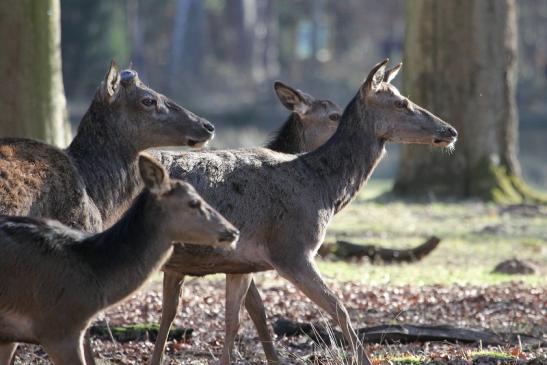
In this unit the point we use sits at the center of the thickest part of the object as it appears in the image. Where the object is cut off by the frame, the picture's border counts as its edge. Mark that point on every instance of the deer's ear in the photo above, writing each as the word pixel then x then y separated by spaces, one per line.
pixel 374 78
pixel 291 98
pixel 111 83
pixel 392 72
pixel 153 174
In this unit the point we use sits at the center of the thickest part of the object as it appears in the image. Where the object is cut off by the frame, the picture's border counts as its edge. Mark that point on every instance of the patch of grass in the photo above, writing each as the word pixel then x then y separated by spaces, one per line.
pixel 475 237
pixel 406 360
pixel 492 354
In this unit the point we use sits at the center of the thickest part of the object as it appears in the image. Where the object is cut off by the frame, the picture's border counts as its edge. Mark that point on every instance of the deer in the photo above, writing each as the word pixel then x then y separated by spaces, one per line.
pixel 71 275
pixel 92 182
pixel 311 123
pixel 282 203
pixel 89 184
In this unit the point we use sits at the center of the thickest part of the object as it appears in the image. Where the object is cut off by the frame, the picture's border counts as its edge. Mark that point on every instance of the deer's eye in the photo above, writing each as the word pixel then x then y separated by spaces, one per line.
pixel 148 102
pixel 403 104
pixel 335 117
pixel 194 203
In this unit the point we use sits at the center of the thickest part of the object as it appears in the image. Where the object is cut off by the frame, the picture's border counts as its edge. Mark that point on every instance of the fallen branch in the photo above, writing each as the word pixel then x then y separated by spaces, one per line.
pixel 405 333
pixel 137 332
pixel 345 250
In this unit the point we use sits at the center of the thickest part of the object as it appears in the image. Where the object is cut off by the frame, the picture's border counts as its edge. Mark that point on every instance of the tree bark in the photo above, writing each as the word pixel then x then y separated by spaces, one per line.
pixel 460 62
pixel 32 99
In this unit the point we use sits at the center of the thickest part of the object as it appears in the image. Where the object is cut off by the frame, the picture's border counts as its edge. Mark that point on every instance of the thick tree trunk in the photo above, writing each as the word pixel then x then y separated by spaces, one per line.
pixel 460 62
pixel 32 99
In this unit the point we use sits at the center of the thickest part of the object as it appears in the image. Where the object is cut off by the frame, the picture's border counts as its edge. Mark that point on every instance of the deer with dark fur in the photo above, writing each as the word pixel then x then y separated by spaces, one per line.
pixel 88 185
pixel 69 276
pixel 311 122
pixel 283 203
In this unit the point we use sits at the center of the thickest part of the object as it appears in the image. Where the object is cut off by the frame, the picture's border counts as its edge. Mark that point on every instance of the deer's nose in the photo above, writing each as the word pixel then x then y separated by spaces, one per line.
pixel 208 126
pixel 452 132
pixel 229 235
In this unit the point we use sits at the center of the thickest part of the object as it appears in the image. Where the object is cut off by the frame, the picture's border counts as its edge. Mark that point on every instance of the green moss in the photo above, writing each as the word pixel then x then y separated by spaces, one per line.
pixel 406 360
pixel 136 332
pixel 493 182
pixel 492 354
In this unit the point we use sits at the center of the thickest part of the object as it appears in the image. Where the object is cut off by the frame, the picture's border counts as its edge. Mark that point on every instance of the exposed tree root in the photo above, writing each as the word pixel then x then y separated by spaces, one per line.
pixel 346 250
pixel 406 333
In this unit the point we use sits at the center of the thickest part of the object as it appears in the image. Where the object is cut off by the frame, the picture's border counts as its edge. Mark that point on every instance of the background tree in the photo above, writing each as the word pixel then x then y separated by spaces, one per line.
pixel 460 61
pixel 32 100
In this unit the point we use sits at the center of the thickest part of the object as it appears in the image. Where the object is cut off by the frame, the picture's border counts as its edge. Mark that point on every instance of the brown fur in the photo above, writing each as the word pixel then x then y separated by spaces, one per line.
pixel 70 276
pixel 90 183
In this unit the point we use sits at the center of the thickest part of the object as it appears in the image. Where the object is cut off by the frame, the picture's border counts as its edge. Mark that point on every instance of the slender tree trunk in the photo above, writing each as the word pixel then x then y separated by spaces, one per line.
pixel 265 64
pixel 460 62
pixel 239 20
pixel 32 99
pixel 136 36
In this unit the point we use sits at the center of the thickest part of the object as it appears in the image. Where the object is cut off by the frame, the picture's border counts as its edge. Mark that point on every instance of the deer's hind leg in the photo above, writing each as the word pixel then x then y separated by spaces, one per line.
pixel 236 289
pixel 255 307
pixel 304 275
pixel 7 353
pixel 172 285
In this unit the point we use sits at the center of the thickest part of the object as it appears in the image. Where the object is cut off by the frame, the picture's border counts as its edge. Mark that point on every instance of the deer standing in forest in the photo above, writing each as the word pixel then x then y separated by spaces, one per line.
pixel 311 123
pixel 69 275
pixel 89 184
pixel 283 203
pixel 92 182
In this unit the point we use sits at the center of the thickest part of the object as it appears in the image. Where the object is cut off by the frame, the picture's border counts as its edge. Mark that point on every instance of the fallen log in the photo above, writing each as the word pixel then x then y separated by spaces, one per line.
pixel 405 333
pixel 346 250
pixel 137 332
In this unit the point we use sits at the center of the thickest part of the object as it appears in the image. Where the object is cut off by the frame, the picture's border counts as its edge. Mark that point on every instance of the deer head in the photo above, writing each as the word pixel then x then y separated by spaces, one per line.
pixel 398 119
pixel 180 202
pixel 319 118
pixel 148 118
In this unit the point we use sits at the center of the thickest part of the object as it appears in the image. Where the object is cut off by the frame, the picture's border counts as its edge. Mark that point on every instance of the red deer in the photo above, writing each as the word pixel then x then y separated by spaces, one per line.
pixel 282 203
pixel 69 275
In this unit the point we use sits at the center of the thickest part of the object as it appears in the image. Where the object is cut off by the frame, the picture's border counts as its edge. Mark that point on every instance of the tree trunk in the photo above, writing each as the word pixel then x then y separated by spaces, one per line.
pixel 460 62
pixel 32 99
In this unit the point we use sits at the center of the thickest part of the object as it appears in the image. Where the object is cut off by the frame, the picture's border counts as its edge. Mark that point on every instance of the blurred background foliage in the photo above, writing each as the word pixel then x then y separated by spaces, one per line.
pixel 219 58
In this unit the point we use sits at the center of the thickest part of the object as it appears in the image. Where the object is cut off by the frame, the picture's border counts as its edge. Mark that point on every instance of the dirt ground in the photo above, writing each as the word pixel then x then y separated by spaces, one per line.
pixel 512 306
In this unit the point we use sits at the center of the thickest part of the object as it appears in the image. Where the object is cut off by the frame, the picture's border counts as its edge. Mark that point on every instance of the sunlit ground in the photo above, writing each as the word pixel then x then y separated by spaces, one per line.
pixel 475 237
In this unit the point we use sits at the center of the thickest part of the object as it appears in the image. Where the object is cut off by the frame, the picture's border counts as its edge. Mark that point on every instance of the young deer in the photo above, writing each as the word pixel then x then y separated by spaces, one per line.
pixel 69 276
pixel 283 203
pixel 89 184
pixel 311 123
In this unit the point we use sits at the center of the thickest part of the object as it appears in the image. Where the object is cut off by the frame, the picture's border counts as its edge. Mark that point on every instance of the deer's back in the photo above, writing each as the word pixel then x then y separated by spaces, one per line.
pixel 40 275
pixel 37 179
pixel 268 196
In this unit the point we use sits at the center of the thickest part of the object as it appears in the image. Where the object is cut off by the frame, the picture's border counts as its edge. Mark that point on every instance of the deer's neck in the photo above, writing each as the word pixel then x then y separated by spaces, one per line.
pixel 289 137
pixel 347 160
pixel 125 255
pixel 107 162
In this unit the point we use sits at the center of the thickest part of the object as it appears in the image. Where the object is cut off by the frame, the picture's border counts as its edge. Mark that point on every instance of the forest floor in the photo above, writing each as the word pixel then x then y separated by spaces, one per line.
pixel 453 285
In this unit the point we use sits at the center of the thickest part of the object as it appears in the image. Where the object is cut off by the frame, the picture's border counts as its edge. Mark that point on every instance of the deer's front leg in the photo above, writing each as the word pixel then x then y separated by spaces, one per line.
pixel 255 308
pixel 88 351
pixel 7 353
pixel 236 289
pixel 66 350
pixel 304 275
